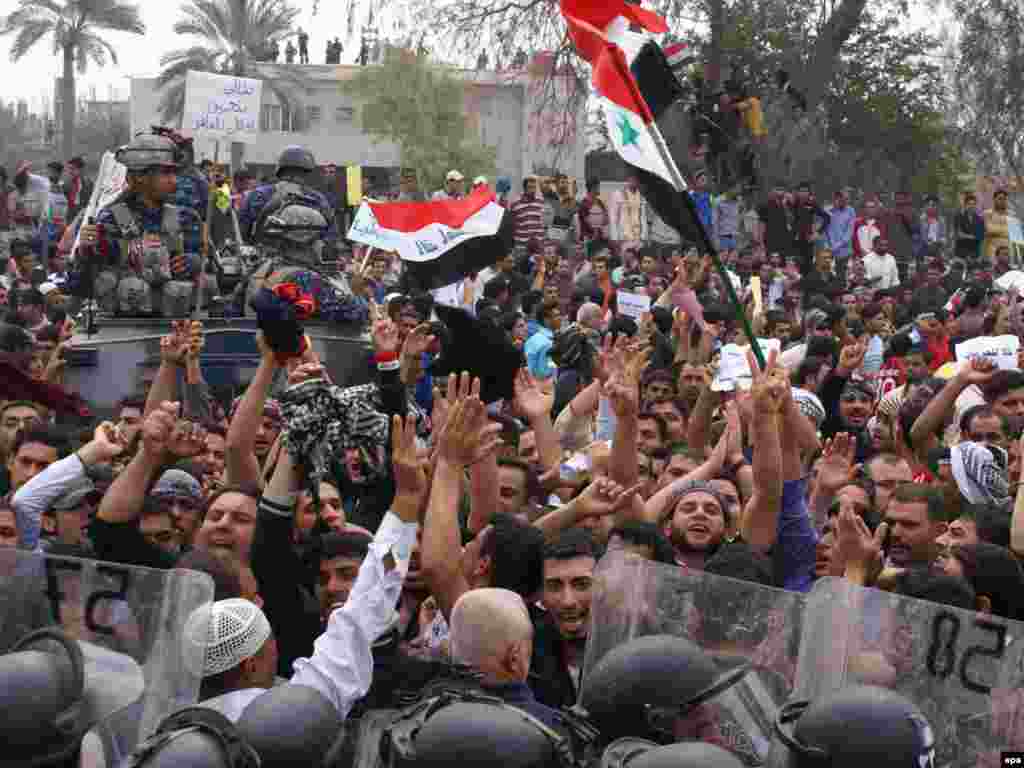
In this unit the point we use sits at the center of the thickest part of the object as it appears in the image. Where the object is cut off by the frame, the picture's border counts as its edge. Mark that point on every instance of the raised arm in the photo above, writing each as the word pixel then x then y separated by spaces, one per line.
pixel 341 666
pixel 1017 521
pixel 535 406
pixel 173 354
pixel 165 439
pixel 977 371
pixel 39 493
pixel 768 394
pixel 468 436
pixel 241 464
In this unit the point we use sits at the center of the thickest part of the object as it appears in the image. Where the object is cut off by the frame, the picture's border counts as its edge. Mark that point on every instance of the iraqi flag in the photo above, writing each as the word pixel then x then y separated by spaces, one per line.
pixel 439 241
pixel 636 84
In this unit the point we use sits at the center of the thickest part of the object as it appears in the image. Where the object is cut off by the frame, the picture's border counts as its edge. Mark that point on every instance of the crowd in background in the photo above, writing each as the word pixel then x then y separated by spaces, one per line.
pixel 865 448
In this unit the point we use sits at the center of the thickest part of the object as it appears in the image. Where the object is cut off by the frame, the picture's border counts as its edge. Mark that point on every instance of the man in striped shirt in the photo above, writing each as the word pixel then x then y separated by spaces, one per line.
pixel 528 214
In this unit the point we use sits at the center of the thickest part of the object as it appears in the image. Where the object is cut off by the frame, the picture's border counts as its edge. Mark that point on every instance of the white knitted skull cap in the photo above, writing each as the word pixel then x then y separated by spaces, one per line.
pixel 224 634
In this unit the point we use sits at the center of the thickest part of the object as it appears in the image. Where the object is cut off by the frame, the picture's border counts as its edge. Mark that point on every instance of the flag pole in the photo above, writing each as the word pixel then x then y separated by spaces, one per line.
pixel 680 184
pixel 705 238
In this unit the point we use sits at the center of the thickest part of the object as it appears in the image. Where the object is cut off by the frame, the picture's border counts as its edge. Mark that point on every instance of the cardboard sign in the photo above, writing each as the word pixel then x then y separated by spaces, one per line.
pixel 1001 350
pixel 733 370
pixel 222 107
pixel 1012 279
pixel 633 305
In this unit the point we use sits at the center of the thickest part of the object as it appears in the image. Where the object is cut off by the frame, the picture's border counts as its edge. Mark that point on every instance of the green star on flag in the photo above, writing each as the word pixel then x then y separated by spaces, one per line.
pixel 629 133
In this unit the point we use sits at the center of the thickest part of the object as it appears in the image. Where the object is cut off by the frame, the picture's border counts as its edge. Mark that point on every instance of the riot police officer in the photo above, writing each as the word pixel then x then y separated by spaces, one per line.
pixel 295 167
pixel 477 733
pixel 196 737
pixel 854 726
pixel 639 753
pixel 137 239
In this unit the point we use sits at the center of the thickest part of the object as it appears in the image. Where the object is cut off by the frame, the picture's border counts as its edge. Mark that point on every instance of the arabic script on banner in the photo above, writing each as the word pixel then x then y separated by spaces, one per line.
pixel 222 107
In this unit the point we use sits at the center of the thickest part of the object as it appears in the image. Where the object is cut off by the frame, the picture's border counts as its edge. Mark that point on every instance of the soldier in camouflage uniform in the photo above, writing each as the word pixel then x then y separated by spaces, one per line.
pixel 191 198
pixel 137 239
pixel 295 167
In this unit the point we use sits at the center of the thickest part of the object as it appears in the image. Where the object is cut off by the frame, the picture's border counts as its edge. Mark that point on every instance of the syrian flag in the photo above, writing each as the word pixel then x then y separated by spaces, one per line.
pixel 601 34
pixel 439 241
pixel 635 81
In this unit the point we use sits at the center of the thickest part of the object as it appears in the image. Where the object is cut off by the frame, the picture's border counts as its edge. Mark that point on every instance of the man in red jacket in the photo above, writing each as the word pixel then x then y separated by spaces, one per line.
pixel 16 348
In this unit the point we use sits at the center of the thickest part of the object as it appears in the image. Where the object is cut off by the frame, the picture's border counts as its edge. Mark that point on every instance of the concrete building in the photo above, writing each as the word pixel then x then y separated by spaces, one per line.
pixel 506 107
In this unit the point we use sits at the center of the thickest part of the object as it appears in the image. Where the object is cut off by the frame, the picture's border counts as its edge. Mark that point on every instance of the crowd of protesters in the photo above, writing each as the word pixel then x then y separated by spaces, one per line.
pixel 866 448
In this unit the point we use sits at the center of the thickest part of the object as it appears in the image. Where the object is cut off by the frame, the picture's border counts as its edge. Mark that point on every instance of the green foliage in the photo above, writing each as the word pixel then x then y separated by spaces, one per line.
pixel 76 29
pixel 880 124
pixel 231 36
pixel 989 79
pixel 420 107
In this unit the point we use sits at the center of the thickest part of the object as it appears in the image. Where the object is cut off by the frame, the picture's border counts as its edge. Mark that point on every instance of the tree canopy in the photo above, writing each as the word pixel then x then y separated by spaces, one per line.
pixel 77 29
pixel 420 107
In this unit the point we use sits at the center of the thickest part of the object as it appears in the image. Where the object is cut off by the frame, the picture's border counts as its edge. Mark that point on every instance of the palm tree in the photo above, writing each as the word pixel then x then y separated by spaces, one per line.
pixel 75 26
pixel 235 35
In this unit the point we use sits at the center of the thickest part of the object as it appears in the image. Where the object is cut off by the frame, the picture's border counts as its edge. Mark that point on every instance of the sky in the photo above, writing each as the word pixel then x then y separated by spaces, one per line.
pixel 32 78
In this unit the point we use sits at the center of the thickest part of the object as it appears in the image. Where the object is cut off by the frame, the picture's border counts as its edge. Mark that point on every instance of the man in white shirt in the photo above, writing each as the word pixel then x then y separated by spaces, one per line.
pixel 880 266
pixel 239 655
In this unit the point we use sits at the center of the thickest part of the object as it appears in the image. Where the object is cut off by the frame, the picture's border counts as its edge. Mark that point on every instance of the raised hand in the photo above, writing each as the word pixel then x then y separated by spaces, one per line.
pixel 107 443
pixel 304 372
pixel 418 341
pixel 529 400
pixel 836 462
pixel 469 434
pixel 174 347
pixel 857 545
pixel 158 428
pixel 977 370
pixel 770 387
pixel 603 497
pixel 734 434
pixel 851 357
pixel 193 338
pixel 385 336
pixel 412 481
pixel 188 439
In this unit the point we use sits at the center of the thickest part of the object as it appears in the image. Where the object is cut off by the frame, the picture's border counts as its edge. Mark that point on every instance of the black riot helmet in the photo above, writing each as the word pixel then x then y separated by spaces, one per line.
pixel 638 753
pixel 856 726
pixel 290 725
pixel 470 734
pixel 196 737
pixel 637 689
pixel 295 158
pixel 42 680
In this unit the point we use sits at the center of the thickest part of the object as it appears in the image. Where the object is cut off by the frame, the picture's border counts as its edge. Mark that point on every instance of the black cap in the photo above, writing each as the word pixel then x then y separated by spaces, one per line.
pixel 481 348
pixel 54 165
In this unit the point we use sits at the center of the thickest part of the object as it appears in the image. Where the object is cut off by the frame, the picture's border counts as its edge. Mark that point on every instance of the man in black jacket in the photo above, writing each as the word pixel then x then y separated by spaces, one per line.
pixel 560 630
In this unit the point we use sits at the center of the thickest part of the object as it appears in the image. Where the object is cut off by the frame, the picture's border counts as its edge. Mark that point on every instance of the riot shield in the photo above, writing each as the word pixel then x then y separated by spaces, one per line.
pixel 745 635
pixel 963 670
pixel 127 622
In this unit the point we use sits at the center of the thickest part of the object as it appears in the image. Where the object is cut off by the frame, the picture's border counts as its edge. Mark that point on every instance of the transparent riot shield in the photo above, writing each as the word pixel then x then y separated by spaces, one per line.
pixel 734 667
pixel 963 670
pixel 127 622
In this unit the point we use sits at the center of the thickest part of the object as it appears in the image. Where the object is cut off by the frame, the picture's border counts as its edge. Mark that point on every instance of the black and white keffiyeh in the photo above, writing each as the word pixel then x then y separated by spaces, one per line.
pixel 322 421
pixel 981 473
